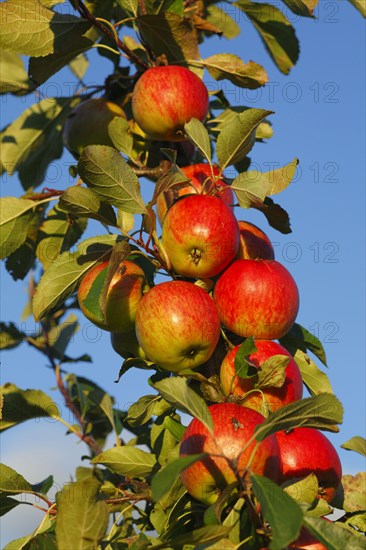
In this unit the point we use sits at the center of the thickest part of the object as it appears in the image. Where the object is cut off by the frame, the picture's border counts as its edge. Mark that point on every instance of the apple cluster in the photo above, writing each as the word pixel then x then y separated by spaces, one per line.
pixel 225 286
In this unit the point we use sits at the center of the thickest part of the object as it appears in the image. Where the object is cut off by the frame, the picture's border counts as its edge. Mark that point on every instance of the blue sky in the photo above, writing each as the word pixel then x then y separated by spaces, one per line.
pixel 320 118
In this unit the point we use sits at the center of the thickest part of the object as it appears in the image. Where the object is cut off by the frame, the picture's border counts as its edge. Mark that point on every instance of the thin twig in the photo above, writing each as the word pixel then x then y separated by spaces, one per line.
pixel 85 14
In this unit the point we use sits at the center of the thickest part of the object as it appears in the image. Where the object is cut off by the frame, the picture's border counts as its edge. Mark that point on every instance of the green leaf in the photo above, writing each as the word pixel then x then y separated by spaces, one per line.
pixel 140 412
pixel 57 234
pixel 305 8
pixel 108 174
pixel 34 139
pixel 175 427
pixel 356 443
pixel 169 180
pixel 333 535
pixel 198 135
pixel 43 486
pixel 21 405
pixel 299 337
pixel 82 518
pixel 231 67
pixel 39 541
pixel 322 412
pixel 157 6
pixel 315 380
pixel 272 373
pixel 168 33
pixel 130 6
pixel 105 402
pixel 83 202
pixel 127 461
pixel 353 489
pixel 177 392
pixel 305 491
pixel 10 336
pixel 29 28
pixel 276 216
pixel 360 6
pixel 275 30
pixel 15 216
pixel 120 133
pixel 7 504
pixel 12 483
pixel 13 77
pixel 243 367
pixel 197 537
pixel 62 277
pixel 79 66
pixel 250 189
pixel 237 138
pixel 221 19
pixel 282 513
pixel 357 521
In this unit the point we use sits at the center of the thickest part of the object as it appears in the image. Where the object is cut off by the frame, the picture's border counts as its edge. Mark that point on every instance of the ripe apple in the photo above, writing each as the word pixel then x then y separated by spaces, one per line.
pixel 87 124
pixel 201 182
pixel 124 293
pixel 275 397
pixel 126 344
pixel 200 235
pixel 234 425
pixel 254 243
pixel 165 98
pixel 257 298
pixel 177 325
pixel 303 451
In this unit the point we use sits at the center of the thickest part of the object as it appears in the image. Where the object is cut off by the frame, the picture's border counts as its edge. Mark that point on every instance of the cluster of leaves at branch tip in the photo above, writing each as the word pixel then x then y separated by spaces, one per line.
pixel 136 481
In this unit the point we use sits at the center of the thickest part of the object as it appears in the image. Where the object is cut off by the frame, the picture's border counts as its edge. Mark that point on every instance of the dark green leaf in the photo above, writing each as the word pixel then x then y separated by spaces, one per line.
pixel 129 461
pixel 140 412
pixel 237 138
pixel 168 33
pixel 305 8
pixel 10 336
pixel 275 30
pixel 177 392
pixel 356 443
pixel 322 412
pixel 21 405
pixel 82 518
pixel 282 513
pixel 163 481
pixel 299 337
pixel 333 535
pixel 197 537
pixel 175 427
pixel 107 173
pixel 43 486
pixel 120 133
pixel 83 202
pixel 276 216
pixel 63 275
pixel 231 67
pixel 7 504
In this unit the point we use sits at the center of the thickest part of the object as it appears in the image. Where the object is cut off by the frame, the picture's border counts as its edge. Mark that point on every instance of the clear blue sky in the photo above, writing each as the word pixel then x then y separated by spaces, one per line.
pixel 320 118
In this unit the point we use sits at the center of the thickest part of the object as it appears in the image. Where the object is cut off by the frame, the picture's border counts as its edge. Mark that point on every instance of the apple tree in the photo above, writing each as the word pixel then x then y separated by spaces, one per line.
pixel 225 451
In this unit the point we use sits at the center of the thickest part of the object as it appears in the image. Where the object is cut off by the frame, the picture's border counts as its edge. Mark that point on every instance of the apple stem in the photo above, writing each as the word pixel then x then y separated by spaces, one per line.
pixel 85 14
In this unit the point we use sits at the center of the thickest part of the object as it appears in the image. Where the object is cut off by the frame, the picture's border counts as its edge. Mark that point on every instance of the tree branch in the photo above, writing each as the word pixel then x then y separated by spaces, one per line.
pixel 85 14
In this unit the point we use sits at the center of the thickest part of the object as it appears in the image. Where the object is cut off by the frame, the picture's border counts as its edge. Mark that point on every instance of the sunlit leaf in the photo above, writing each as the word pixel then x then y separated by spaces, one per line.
pixel 356 443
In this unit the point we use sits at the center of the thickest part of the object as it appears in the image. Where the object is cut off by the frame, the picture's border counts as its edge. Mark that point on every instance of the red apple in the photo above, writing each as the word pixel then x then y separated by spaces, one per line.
pixel 234 425
pixel 254 243
pixel 201 182
pixel 200 236
pixel 87 124
pixel 165 98
pixel 307 541
pixel 257 298
pixel 126 344
pixel 177 325
pixel 304 451
pixel 125 291
pixel 275 397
